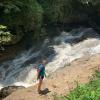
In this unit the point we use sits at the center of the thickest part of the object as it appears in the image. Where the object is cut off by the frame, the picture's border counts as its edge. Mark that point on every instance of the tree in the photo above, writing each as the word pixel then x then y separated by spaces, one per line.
pixel 21 15
pixel 61 10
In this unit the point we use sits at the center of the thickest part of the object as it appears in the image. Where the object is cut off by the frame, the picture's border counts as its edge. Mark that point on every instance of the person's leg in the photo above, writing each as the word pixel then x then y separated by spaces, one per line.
pixel 39 85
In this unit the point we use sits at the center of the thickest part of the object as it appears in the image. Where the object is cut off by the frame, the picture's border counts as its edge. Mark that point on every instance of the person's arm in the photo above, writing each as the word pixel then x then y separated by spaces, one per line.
pixel 38 71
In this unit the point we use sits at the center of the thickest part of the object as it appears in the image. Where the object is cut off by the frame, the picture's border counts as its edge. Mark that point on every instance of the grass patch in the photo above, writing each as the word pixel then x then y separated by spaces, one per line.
pixel 90 91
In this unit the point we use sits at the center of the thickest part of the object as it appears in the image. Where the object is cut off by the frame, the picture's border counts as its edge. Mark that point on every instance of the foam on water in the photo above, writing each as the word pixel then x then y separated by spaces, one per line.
pixel 66 48
pixel 67 53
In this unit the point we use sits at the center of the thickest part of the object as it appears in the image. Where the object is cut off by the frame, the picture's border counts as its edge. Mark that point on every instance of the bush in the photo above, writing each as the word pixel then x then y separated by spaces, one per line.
pixel 90 91
pixel 5 36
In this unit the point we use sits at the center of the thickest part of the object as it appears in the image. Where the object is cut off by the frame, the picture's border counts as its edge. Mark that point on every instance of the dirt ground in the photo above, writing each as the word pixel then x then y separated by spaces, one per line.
pixel 61 81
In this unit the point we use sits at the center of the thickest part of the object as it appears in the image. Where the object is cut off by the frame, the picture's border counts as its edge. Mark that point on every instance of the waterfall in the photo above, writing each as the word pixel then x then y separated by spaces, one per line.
pixel 60 51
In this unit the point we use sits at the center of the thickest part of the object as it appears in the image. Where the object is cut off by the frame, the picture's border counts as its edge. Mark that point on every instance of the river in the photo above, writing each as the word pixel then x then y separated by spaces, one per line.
pixel 60 51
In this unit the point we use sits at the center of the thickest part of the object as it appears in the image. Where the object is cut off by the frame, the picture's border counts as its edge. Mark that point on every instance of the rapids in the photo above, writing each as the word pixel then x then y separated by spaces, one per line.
pixel 60 51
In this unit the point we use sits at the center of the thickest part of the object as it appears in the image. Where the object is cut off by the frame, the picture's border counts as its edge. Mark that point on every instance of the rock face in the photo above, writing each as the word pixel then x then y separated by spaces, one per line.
pixel 4 92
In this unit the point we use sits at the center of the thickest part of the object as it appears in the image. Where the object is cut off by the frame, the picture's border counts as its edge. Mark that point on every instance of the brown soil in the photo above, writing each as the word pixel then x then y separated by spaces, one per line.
pixel 62 81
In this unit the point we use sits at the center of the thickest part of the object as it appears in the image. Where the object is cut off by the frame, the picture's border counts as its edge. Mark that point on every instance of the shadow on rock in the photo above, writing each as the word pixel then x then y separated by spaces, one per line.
pixel 45 91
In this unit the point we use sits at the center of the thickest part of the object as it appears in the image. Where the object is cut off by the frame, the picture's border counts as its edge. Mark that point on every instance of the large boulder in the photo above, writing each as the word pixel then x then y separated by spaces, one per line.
pixel 4 92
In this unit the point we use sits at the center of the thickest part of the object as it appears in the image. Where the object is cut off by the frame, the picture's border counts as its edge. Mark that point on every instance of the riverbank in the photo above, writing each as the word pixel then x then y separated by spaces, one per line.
pixel 62 81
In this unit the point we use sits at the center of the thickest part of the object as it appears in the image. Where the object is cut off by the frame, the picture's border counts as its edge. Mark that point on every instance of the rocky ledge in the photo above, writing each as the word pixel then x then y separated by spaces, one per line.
pixel 4 92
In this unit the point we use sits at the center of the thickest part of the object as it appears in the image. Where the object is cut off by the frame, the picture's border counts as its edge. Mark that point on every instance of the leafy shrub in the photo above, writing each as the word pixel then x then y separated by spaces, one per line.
pixel 90 91
pixel 5 36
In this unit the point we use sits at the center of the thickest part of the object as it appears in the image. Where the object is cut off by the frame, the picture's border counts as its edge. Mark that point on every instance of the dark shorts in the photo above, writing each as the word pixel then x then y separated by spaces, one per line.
pixel 41 77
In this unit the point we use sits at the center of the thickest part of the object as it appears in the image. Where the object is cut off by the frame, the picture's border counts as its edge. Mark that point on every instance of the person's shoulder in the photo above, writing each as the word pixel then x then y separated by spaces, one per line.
pixel 40 65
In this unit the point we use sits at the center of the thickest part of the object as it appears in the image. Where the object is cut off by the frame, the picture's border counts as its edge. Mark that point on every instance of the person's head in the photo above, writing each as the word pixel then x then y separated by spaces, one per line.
pixel 44 61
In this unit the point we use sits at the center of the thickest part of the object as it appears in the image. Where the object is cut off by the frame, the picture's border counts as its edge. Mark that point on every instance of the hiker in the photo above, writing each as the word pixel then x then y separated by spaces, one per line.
pixel 41 74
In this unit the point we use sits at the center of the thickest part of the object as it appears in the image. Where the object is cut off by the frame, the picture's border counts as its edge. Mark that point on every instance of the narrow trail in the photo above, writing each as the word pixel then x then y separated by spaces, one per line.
pixel 62 81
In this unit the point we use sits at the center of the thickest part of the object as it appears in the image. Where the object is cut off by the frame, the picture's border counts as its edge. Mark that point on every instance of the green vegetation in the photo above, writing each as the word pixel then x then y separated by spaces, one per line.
pixel 61 11
pixel 5 36
pixel 21 15
pixel 31 16
pixel 90 91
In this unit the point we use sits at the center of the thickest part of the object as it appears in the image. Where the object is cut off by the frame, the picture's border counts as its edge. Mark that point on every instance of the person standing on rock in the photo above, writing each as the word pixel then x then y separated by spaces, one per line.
pixel 41 74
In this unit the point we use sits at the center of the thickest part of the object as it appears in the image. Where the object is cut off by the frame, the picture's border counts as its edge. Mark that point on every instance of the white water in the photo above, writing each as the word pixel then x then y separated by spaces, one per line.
pixel 66 50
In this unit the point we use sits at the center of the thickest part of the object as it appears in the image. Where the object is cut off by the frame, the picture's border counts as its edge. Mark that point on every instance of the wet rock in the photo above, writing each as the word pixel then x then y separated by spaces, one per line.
pixel 4 92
